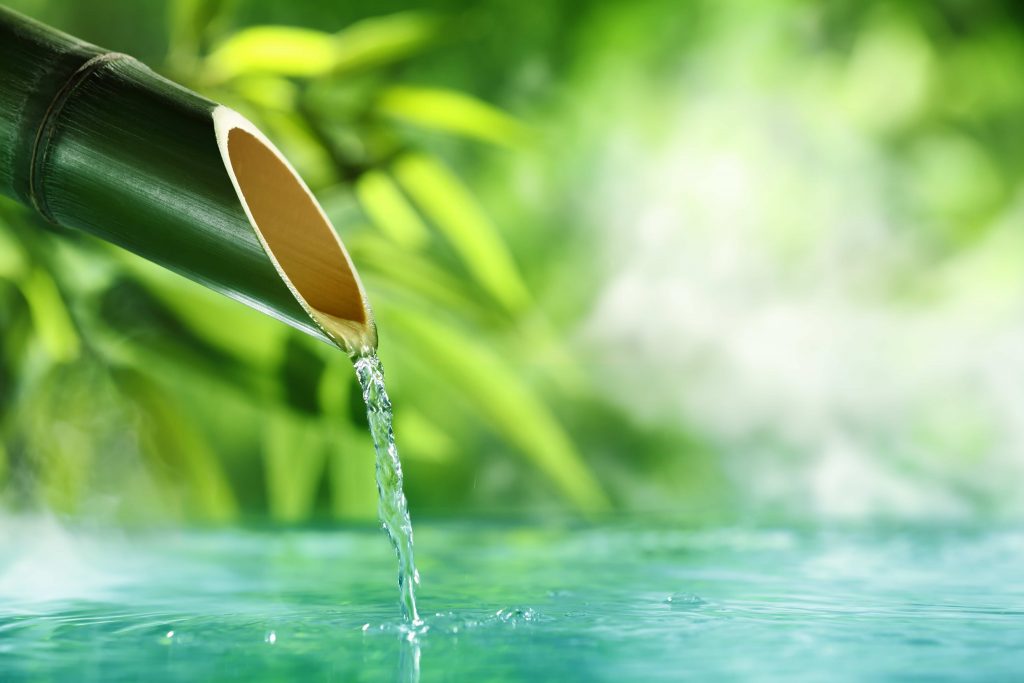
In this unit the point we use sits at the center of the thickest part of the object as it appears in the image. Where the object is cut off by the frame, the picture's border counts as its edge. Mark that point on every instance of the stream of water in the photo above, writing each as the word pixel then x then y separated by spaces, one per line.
pixel 393 509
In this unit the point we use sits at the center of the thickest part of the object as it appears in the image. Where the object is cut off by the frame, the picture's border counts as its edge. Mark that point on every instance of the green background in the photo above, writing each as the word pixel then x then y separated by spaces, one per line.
pixel 720 260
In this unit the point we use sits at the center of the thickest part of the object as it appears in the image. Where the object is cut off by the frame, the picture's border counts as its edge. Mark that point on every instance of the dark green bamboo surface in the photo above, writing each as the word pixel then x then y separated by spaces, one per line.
pixel 97 141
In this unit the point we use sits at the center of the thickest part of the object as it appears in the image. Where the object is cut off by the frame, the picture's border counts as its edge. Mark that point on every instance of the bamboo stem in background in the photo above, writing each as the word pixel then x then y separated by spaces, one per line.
pixel 97 141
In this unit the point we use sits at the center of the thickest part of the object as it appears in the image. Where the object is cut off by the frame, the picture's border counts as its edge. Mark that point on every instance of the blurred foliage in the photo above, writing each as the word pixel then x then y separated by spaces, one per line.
pixel 124 387
pixel 224 412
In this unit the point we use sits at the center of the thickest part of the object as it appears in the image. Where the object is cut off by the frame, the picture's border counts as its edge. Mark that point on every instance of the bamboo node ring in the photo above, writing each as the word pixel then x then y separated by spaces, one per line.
pixel 41 145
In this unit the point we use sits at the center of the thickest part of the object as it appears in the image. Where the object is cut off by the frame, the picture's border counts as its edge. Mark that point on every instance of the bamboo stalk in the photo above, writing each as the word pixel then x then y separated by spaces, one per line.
pixel 97 141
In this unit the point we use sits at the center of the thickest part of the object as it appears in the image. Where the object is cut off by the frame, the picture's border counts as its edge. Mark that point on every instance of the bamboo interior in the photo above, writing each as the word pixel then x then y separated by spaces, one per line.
pixel 300 239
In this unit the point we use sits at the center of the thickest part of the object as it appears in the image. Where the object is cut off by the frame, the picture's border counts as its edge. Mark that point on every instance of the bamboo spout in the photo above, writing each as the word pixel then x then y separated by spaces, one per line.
pixel 295 233
pixel 96 141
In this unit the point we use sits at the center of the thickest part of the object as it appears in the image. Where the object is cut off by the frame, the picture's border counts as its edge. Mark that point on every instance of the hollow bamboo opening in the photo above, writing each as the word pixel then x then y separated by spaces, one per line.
pixel 296 233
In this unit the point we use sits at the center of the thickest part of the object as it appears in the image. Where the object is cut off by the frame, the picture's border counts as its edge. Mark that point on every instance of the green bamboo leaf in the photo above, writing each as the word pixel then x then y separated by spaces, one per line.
pixel 294 457
pixel 452 112
pixel 351 469
pixel 171 438
pixel 268 92
pixel 13 262
pixel 50 317
pixel 134 329
pixel 336 389
pixel 3 464
pixel 301 146
pixel 308 53
pixel 232 329
pixel 350 463
pixel 281 50
pixel 504 400
pixel 451 206
pixel 388 269
pixel 390 211
pixel 383 40
pixel 422 439
pixel 186 20
pixel 189 24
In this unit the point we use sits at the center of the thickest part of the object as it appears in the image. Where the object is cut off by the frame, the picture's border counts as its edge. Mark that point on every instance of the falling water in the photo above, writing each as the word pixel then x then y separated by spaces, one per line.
pixel 393 510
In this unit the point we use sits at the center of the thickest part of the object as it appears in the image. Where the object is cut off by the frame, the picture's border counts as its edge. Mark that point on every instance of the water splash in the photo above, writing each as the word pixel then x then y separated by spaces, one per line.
pixel 409 656
pixel 393 509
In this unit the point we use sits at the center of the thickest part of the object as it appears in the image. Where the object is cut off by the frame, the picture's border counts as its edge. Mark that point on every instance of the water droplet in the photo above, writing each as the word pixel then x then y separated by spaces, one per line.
pixel 685 601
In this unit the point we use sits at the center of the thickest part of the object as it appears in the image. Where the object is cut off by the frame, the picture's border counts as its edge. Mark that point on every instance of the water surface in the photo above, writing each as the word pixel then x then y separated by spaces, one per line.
pixel 621 602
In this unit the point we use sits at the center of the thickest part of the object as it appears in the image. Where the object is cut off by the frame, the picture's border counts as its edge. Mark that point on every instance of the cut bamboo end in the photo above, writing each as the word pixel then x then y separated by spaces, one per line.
pixel 295 233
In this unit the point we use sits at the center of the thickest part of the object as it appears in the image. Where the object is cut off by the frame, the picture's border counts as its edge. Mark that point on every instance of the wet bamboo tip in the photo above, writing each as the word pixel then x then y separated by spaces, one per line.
pixel 296 234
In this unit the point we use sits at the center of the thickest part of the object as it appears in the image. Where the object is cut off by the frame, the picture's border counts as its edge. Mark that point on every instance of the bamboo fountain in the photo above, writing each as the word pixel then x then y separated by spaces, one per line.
pixel 97 141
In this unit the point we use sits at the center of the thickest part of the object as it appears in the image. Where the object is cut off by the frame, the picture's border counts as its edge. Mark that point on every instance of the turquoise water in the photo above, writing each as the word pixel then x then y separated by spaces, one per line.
pixel 622 602
pixel 392 506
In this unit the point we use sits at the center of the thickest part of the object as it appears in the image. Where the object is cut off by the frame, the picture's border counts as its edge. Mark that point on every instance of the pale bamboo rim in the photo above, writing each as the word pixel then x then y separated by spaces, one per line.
pixel 296 233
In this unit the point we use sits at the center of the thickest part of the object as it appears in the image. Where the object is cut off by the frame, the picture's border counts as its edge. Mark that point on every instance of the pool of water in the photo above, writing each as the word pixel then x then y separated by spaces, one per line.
pixel 623 602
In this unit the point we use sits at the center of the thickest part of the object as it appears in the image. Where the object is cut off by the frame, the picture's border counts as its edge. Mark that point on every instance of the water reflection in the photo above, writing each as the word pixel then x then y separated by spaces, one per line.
pixel 409 658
